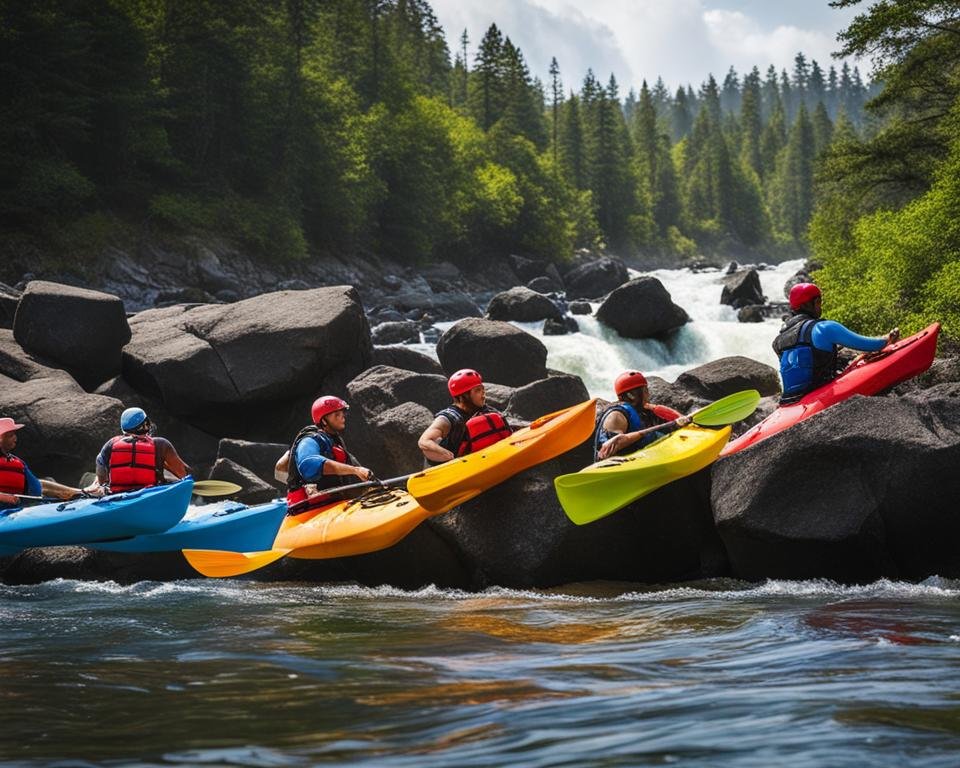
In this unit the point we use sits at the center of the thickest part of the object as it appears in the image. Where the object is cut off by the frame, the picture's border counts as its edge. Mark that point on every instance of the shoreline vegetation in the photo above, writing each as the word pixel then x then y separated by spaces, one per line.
pixel 313 130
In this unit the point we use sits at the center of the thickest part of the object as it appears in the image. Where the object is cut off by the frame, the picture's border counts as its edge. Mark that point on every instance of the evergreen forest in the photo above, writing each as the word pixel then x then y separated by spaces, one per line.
pixel 354 126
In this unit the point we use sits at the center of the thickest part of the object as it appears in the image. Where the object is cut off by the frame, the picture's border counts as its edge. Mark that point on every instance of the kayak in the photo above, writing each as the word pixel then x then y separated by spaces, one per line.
pixel 226 525
pixel 610 484
pixel 447 485
pixel 119 515
pixel 867 375
pixel 372 522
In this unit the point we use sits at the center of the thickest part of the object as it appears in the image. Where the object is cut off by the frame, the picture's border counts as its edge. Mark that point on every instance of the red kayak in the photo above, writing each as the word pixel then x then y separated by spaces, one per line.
pixel 866 375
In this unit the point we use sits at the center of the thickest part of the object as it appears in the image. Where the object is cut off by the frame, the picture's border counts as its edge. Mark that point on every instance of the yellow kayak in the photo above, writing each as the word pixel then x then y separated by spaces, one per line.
pixel 606 486
pixel 446 485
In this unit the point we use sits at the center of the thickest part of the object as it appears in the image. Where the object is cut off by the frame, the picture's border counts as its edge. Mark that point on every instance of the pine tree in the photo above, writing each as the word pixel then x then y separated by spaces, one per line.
pixel 556 101
pixel 573 160
pixel 681 120
pixel 792 189
pixel 751 127
pixel 822 129
pixel 730 95
pixel 772 140
pixel 486 94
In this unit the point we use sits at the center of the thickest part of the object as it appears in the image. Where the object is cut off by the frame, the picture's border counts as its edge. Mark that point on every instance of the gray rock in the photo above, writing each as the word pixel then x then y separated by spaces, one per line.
pixel 271 348
pixel 407 359
pixel 35 566
pixel 501 352
pixel 253 491
pixel 259 458
pixel 400 428
pixel 560 327
pixel 595 279
pixel 750 314
pixel 544 284
pixel 642 308
pixel 864 490
pixel 9 298
pixel 79 330
pixel 742 289
pixel 727 375
pixel 523 305
pixel 381 388
pixel 404 332
pixel 580 308
pixel 546 396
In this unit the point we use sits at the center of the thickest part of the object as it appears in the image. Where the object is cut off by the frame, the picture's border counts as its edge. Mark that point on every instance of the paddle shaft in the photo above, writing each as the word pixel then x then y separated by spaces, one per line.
pixel 333 492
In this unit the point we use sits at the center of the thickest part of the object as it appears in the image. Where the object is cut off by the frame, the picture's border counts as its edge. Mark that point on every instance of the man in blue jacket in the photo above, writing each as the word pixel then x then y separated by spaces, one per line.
pixel 807 345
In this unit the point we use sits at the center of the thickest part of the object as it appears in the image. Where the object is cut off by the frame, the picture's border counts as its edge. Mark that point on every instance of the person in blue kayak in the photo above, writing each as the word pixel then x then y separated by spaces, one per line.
pixel 466 426
pixel 631 423
pixel 135 458
pixel 318 460
pixel 16 479
pixel 807 345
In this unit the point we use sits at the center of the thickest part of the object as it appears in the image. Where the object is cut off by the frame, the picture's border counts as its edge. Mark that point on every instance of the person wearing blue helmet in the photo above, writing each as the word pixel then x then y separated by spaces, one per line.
pixel 136 458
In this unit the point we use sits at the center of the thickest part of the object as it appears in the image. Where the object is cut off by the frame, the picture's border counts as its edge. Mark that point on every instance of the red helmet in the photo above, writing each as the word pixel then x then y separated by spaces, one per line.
pixel 323 406
pixel 629 380
pixel 463 381
pixel 801 293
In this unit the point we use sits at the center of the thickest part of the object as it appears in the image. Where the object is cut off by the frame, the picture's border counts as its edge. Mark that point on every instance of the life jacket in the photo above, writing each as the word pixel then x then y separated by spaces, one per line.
pixel 469 434
pixel 13 474
pixel 332 447
pixel 134 463
pixel 803 367
pixel 637 419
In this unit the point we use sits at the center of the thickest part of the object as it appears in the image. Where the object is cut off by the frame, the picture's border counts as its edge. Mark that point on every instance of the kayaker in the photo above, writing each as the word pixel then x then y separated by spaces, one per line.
pixel 466 426
pixel 630 423
pixel 807 345
pixel 135 458
pixel 320 460
pixel 16 477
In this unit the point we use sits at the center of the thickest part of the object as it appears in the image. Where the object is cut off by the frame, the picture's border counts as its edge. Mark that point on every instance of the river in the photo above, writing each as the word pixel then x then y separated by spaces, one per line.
pixel 719 673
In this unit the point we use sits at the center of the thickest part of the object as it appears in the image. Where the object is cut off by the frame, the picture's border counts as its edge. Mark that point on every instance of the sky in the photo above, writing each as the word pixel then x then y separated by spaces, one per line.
pixel 681 40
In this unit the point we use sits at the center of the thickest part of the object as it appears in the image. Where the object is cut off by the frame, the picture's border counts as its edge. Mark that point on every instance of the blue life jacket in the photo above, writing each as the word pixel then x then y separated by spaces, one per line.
pixel 642 419
pixel 803 367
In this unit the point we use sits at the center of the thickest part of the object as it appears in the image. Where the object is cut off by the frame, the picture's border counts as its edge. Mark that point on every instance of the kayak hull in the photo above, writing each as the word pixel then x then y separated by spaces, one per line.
pixel 225 525
pixel 447 485
pixel 901 361
pixel 606 486
pixel 366 524
pixel 122 515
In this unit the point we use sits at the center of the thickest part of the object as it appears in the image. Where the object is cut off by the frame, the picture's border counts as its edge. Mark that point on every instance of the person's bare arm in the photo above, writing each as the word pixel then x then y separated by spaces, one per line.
pixel 429 442
pixel 55 489
pixel 172 461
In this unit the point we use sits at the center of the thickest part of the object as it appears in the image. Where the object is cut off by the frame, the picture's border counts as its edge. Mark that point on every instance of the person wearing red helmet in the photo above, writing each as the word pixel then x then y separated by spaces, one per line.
pixel 16 479
pixel 807 345
pixel 630 423
pixel 467 426
pixel 319 458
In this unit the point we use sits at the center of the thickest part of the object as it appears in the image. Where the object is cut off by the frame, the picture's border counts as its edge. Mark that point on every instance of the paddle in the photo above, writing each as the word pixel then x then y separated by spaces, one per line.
pixel 220 564
pixel 603 488
pixel 215 488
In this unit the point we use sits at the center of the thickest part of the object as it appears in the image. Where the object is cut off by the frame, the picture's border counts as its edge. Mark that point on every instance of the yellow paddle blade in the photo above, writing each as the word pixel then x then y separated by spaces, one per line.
pixel 220 564
pixel 215 488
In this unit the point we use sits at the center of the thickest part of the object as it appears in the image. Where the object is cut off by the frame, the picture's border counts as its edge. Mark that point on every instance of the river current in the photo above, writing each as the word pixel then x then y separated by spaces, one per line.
pixel 718 673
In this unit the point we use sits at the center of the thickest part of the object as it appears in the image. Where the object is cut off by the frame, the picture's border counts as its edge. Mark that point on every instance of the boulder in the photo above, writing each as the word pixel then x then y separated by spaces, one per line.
pixel 544 284
pixel 595 279
pixel 753 313
pixel 864 490
pixel 527 269
pixel 79 330
pixel 727 375
pixel 546 396
pixel 523 305
pixel 446 305
pixel 580 308
pixel 273 347
pixel 402 332
pixel 405 358
pixel 501 352
pixel 741 289
pixel 65 427
pixel 253 490
pixel 642 308
pixel 9 298
pixel 259 458
pixel 380 388
pixel 400 428
pixel 560 327
pixel 34 566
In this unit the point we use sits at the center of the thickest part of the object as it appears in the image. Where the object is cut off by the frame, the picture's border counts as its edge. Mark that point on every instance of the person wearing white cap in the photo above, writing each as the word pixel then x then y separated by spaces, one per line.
pixel 16 479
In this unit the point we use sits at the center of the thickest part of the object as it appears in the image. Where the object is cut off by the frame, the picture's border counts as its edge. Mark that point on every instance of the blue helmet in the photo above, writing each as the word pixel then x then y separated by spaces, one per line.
pixel 132 418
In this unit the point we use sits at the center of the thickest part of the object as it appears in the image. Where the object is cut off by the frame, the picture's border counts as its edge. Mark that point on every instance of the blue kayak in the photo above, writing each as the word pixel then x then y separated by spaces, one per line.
pixel 223 525
pixel 120 515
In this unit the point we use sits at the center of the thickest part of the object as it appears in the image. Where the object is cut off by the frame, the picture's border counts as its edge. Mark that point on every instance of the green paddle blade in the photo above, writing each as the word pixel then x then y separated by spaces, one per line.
pixel 727 410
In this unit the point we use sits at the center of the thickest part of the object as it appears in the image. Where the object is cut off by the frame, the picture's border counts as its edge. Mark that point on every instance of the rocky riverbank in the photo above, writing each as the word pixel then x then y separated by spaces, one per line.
pixel 861 491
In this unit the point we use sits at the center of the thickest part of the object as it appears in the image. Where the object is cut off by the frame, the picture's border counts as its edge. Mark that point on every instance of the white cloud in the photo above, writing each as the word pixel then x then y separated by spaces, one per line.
pixel 681 40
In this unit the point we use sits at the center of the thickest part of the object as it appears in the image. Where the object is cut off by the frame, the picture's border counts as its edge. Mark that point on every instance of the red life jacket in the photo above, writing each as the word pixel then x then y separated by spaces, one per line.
pixel 486 428
pixel 13 474
pixel 296 490
pixel 134 463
